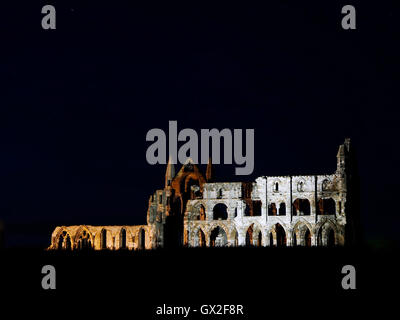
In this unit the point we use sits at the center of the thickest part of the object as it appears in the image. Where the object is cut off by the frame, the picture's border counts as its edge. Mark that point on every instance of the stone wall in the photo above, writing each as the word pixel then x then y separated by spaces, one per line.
pixel 102 237
pixel 295 210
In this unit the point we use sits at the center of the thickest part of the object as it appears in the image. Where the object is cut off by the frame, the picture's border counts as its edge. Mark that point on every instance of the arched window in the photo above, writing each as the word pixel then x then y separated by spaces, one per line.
pixel 247 210
pixel 201 238
pixel 301 207
pixel 276 189
pixel 325 185
pixel 282 209
pixel 122 238
pixel 249 236
pixel 300 186
pixel 202 213
pixel 219 194
pixel 84 241
pixel 272 209
pixel 61 241
pixel 327 206
pixel 280 236
pixel 256 208
pixel 220 212
pixel 68 245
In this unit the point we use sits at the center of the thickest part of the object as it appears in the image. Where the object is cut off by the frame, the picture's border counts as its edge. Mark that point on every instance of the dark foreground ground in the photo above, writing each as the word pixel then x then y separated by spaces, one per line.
pixel 268 282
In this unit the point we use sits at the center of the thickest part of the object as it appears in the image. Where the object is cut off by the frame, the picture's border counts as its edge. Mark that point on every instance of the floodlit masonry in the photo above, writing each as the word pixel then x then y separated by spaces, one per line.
pixel 194 211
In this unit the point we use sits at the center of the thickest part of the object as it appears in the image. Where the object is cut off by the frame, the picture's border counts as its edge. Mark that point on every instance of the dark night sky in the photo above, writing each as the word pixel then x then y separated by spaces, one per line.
pixel 77 102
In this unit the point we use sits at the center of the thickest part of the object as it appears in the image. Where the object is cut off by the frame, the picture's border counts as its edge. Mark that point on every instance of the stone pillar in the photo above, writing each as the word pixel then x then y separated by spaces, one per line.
pixel 209 214
pixel 289 238
pixel 265 239
pixel 208 240
pixel 314 240
pixel 241 238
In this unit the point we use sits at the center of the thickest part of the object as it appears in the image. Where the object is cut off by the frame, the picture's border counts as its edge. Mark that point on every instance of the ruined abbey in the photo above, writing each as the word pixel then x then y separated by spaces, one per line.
pixel 192 210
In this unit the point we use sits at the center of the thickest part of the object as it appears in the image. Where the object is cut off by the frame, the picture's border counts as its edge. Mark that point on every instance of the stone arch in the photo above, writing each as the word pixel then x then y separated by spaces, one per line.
pixel 301 207
pixel 83 239
pixel 278 233
pixel 272 211
pixel 220 211
pixel 282 209
pixel 196 212
pixel 68 242
pixel 326 206
pixel 198 237
pixel 218 237
pixel 60 242
pixel 325 185
pixel 64 240
pixel 249 235
pixel 307 238
pixel 327 234
pixel 215 224
pixel 300 233
pixel 202 213
pixel 60 239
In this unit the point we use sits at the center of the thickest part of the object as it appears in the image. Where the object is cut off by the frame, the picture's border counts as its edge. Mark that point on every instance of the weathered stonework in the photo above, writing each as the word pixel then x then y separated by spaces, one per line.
pixel 193 211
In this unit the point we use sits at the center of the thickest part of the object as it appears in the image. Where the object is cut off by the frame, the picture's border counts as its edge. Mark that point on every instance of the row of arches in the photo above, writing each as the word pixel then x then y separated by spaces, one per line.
pixel 84 240
pixel 220 212
pixel 326 185
pixel 277 236
pixel 300 207
pixel 218 238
